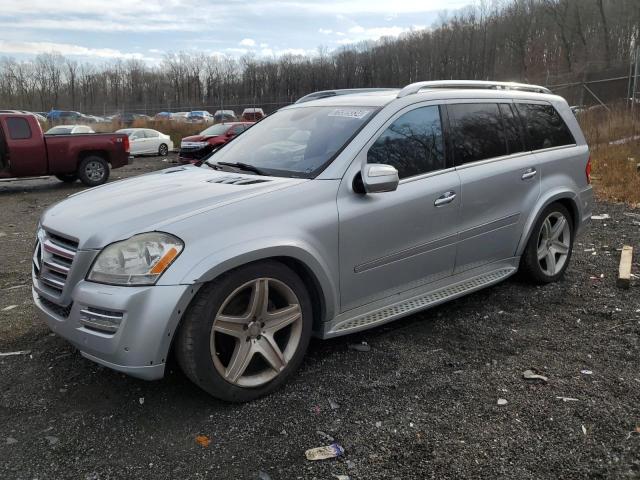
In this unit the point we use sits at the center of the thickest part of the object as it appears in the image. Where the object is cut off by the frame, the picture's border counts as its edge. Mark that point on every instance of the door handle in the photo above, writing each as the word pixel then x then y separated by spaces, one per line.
pixel 530 173
pixel 445 198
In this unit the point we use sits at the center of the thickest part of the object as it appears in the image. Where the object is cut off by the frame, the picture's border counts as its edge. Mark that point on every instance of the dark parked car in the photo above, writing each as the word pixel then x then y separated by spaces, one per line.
pixel 26 152
pixel 224 116
pixel 195 148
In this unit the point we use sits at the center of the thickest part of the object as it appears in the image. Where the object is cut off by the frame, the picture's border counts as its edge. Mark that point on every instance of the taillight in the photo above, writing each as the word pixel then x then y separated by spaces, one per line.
pixel 126 144
pixel 587 170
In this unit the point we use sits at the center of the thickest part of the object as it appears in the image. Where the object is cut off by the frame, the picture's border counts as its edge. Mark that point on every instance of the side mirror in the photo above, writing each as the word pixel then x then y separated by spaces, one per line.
pixel 378 178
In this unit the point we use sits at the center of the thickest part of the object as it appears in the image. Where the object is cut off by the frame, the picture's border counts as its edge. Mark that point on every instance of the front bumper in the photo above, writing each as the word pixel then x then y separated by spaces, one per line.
pixel 148 317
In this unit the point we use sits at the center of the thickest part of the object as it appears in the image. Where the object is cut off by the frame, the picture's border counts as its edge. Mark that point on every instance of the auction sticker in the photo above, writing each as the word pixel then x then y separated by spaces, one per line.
pixel 349 112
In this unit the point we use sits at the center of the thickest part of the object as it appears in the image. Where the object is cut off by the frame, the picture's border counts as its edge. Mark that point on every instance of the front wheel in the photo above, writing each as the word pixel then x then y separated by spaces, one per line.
pixel 93 171
pixel 246 332
pixel 548 251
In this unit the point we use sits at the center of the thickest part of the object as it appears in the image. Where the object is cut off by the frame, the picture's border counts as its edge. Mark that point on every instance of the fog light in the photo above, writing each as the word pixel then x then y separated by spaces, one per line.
pixel 101 320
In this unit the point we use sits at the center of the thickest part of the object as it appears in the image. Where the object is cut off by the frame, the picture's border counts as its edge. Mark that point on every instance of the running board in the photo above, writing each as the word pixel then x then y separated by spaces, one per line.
pixel 418 302
pixel 19 179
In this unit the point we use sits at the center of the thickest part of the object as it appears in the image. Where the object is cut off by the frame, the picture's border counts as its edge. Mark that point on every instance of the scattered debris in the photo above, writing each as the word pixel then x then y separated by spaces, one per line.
pixel 15 286
pixel 11 441
pixel 584 429
pixel 18 352
pixel 322 453
pixel 567 399
pixel 261 475
pixel 604 216
pixel 333 405
pixel 624 271
pixel 502 401
pixel 203 440
pixel 531 375
pixel 360 347
pixel 342 477
pixel 326 436
pixel 10 307
pixel 316 409
pixel 2 234
pixel 586 372
pixel 350 464
pixel 141 400
pixel 52 440
pixel 378 424
pixel 458 372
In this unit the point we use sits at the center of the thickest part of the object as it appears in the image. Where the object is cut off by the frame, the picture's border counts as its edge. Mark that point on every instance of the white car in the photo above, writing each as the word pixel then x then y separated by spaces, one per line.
pixel 145 141
pixel 69 130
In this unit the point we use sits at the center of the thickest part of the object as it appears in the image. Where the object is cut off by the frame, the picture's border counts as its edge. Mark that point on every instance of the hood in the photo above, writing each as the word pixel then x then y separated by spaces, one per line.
pixel 199 138
pixel 118 210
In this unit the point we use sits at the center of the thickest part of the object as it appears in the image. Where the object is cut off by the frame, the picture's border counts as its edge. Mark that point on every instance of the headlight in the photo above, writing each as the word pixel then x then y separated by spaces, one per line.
pixel 139 260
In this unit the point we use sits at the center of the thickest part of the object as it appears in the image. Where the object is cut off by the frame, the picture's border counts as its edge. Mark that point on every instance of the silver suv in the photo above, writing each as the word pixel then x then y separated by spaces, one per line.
pixel 339 213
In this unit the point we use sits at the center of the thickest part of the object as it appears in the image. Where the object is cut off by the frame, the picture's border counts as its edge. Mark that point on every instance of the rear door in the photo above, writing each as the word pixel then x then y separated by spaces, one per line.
pixel 395 241
pixel 499 180
pixel 152 142
pixel 26 152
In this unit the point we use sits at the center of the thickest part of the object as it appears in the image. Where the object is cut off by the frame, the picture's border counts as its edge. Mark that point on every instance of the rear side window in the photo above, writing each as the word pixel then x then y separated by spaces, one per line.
pixel 18 128
pixel 544 126
pixel 413 143
pixel 151 134
pixel 512 129
pixel 477 132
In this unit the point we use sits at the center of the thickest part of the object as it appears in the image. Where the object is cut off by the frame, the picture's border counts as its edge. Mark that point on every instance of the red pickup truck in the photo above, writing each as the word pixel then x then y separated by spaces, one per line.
pixel 26 152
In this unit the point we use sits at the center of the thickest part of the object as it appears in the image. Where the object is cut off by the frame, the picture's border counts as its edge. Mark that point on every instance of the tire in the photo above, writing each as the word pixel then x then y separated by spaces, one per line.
pixel 163 150
pixel 67 177
pixel 549 239
pixel 93 171
pixel 205 351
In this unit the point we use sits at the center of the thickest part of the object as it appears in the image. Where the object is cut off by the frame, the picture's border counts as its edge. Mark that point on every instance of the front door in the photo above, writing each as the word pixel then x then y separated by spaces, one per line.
pixel 25 152
pixel 394 241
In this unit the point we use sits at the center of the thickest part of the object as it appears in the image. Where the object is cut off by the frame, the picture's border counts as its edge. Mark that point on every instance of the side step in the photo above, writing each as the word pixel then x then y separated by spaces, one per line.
pixel 419 302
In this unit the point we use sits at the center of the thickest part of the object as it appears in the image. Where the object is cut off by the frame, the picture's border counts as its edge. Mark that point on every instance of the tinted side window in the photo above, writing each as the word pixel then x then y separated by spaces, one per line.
pixel 237 129
pixel 18 128
pixel 512 129
pixel 544 127
pixel 476 132
pixel 413 143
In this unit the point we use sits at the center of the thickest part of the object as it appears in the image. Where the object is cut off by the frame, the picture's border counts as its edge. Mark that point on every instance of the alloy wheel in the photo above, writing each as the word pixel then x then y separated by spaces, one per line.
pixel 554 243
pixel 94 170
pixel 256 332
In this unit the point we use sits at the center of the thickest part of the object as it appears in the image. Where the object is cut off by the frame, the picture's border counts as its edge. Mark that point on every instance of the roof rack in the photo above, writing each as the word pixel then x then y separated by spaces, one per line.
pixel 471 84
pixel 334 93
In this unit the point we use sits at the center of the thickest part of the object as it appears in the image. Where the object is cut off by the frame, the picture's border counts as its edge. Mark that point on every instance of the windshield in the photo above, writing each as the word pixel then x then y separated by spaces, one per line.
pixel 215 130
pixel 298 142
pixel 59 131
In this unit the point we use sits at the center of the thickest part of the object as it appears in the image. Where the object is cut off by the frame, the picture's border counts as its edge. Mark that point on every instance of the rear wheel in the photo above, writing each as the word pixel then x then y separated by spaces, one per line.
pixel 67 177
pixel 246 332
pixel 548 251
pixel 93 171
pixel 163 150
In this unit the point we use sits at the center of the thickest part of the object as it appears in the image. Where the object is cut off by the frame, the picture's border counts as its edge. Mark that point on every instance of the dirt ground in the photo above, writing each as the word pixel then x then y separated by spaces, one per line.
pixel 422 403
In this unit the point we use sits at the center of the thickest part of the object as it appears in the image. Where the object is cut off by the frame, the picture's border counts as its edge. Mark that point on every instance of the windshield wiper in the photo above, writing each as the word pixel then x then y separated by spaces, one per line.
pixel 243 166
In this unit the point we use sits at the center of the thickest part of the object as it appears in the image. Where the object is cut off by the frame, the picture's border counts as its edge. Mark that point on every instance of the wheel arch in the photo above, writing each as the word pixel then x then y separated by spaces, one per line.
pixel 565 197
pixel 302 259
pixel 91 153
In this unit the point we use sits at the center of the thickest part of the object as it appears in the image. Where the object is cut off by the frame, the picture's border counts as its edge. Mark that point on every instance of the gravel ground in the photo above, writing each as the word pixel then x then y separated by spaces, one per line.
pixel 422 403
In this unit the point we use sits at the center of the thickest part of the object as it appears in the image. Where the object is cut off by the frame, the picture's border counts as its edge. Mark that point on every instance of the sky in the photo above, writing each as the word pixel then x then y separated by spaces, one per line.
pixel 99 31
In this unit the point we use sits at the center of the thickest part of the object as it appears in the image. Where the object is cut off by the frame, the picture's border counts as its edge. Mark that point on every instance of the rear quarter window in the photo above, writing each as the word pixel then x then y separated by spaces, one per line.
pixel 18 128
pixel 544 127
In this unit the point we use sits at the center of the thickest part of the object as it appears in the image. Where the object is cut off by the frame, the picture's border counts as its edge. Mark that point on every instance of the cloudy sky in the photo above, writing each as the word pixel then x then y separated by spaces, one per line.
pixel 100 30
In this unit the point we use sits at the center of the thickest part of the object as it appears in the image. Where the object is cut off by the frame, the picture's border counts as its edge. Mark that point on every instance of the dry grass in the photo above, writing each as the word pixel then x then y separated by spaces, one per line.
pixel 176 130
pixel 615 171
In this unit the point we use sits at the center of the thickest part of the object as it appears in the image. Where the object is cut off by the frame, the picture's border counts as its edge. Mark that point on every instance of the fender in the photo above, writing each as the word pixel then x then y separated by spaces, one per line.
pixel 548 198
pixel 240 254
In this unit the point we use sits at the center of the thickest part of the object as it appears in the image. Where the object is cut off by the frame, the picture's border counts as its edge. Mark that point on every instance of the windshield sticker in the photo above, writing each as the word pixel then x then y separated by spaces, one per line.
pixel 349 113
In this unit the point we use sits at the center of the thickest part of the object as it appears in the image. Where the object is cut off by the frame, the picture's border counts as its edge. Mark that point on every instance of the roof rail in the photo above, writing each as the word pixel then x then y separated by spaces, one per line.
pixel 471 84
pixel 334 93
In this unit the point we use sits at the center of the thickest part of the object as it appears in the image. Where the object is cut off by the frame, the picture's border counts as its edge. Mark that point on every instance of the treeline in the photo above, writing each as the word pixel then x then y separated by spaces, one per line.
pixel 537 41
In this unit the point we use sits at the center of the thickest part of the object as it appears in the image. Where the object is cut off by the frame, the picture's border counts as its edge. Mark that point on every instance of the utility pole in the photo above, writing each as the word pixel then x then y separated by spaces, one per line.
pixel 634 83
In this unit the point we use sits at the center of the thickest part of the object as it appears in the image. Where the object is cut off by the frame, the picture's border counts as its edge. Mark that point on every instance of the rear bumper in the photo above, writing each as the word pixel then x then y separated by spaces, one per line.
pixel 585 208
pixel 148 317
